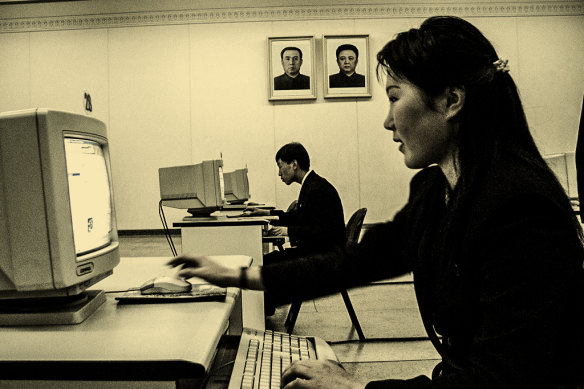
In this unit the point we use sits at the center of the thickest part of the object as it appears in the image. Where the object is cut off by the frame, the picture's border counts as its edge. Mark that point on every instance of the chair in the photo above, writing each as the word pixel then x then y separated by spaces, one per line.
pixel 353 232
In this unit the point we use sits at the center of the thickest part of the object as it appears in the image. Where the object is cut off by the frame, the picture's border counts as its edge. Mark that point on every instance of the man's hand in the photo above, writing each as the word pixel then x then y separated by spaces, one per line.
pixel 318 374
pixel 278 231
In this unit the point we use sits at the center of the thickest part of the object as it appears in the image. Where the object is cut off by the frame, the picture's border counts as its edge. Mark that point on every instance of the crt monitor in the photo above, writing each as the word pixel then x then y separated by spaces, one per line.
pixel 58 233
pixel 236 186
pixel 563 165
pixel 580 163
pixel 198 188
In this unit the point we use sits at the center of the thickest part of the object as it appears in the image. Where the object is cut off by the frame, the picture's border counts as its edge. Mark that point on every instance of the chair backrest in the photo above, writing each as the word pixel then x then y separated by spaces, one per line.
pixel 354 226
pixel 292 205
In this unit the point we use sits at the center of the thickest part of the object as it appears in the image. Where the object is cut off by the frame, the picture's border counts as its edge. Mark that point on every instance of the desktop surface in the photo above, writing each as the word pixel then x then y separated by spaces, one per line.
pixel 124 341
pixel 189 221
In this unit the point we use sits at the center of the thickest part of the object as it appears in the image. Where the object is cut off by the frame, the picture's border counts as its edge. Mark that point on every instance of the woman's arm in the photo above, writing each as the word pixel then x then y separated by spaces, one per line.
pixel 209 270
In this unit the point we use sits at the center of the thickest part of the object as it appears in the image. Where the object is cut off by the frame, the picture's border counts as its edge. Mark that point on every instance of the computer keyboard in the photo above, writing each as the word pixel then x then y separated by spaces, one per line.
pixel 262 356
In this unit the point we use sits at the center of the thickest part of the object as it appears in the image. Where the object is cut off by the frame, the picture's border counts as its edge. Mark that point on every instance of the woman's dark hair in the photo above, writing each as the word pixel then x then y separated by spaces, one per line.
pixel 447 52
pixel 294 151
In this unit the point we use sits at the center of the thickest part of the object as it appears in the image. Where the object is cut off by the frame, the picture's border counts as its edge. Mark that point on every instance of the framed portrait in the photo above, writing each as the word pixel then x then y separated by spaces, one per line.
pixel 346 66
pixel 291 74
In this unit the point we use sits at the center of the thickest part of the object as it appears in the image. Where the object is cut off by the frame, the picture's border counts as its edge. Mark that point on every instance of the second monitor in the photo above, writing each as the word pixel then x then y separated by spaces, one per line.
pixel 198 188
pixel 236 186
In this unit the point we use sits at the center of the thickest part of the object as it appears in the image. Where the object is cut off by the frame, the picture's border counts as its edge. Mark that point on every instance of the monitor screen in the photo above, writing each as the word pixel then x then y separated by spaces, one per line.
pixel 89 195
pixel 58 233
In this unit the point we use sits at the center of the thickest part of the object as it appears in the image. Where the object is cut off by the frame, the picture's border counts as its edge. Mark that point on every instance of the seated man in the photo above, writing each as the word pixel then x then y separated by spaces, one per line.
pixel 317 222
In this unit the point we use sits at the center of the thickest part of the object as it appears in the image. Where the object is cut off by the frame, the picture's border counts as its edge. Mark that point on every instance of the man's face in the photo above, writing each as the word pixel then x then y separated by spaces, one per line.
pixel 347 62
pixel 286 171
pixel 291 62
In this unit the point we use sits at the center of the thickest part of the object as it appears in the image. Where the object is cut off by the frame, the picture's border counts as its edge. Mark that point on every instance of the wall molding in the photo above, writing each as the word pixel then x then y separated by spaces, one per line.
pixel 266 14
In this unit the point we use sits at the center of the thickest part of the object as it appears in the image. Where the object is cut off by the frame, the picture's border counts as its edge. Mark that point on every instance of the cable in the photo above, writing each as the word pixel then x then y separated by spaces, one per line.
pixel 380 340
pixel 226 364
pixel 166 230
pixel 122 291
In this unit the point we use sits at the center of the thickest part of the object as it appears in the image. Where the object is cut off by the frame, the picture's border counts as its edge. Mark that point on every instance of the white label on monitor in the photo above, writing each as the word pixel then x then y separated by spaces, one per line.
pixel 89 194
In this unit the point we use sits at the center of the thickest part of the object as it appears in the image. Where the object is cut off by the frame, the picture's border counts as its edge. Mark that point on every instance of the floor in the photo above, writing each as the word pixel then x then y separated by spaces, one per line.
pixel 396 344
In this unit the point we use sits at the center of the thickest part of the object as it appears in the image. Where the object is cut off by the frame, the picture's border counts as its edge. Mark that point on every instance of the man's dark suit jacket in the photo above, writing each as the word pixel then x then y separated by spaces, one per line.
pixel 341 80
pixel 285 82
pixel 317 222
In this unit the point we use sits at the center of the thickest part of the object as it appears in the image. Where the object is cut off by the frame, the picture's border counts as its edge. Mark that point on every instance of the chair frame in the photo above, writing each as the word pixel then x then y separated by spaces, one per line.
pixel 354 226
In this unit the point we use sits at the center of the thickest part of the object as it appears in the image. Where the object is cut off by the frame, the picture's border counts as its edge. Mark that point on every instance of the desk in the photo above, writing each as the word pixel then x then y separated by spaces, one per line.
pixel 163 344
pixel 230 236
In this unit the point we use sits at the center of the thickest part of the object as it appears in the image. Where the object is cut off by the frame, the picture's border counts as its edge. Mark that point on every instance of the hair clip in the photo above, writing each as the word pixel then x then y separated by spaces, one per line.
pixel 501 65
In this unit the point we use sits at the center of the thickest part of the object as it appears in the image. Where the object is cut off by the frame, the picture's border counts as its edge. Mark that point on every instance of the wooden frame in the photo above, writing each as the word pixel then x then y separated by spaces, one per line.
pixel 281 85
pixel 336 82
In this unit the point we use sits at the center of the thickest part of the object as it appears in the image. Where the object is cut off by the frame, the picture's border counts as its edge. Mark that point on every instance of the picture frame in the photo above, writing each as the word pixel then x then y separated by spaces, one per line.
pixel 291 68
pixel 352 77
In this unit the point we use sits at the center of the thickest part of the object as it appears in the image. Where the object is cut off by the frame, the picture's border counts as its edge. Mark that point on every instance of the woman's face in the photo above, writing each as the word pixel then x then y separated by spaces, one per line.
pixel 423 132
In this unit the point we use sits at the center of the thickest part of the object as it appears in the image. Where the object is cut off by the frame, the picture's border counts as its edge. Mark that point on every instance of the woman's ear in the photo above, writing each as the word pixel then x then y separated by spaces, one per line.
pixel 455 98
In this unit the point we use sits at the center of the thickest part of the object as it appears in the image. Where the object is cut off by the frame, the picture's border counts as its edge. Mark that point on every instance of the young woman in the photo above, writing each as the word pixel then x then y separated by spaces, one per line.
pixel 488 231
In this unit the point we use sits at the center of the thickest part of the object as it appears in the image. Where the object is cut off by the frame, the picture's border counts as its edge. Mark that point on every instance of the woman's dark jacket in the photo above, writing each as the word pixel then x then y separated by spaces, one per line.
pixel 505 292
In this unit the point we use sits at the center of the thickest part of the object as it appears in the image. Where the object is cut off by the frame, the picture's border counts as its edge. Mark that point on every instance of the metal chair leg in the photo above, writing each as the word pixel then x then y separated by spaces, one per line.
pixel 292 316
pixel 353 315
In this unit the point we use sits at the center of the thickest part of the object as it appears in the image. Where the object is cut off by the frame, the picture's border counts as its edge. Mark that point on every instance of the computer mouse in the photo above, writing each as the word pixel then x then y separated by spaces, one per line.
pixel 164 285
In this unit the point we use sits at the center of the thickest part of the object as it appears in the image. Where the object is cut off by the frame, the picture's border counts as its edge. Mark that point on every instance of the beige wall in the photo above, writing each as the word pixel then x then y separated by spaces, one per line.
pixel 177 93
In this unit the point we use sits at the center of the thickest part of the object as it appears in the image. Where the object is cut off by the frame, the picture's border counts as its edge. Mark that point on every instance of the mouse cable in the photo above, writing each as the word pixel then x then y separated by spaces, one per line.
pixel 165 228
pixel 213 373
pixel 122 291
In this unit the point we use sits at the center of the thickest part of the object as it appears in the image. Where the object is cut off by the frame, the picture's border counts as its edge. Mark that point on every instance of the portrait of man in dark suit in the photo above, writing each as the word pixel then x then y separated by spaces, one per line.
pixel 291 79
pixel 347 60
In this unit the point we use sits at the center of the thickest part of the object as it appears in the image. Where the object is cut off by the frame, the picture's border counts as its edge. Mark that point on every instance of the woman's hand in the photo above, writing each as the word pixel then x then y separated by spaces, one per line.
pixel 205 268
pixel 252 211
pixel 318 374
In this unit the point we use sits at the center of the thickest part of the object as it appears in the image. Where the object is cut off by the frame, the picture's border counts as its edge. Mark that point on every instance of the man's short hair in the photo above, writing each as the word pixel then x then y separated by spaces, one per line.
pixel 294 151
pixel 348 46
pixel 290 48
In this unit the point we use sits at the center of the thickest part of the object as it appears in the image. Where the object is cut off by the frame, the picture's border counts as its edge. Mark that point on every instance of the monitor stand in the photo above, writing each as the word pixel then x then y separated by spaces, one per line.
pixel 234 207
pixel 202 212
pixel 51 310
